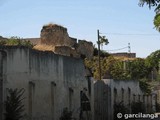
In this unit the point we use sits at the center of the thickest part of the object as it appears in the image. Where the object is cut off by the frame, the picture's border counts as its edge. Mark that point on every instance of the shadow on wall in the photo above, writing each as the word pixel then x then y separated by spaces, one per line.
pixel 3 55
pixel 102 101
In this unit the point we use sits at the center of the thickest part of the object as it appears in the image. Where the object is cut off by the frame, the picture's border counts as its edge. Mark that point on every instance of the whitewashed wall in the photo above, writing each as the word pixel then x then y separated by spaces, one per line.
pixel 51 82
pixel 127 91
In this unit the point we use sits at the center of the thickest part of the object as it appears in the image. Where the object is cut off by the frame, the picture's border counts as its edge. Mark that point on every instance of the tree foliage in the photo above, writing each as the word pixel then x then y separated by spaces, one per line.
pixel 13 104
pixel 66 114
pixel 121 69
pixel 153 60
pixel 156 5
pixel 126 69
pixel 157 22
pixel 16 41
pixel 150 3
pixel 138 70
pixel 145 87
pixel 110 67
pixel 103 40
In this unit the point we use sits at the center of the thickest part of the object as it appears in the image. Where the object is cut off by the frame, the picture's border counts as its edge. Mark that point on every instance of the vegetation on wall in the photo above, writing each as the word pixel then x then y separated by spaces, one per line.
pixel 16 41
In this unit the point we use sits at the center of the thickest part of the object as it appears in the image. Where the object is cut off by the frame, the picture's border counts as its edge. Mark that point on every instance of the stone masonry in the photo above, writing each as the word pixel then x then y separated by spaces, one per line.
pixel 55 38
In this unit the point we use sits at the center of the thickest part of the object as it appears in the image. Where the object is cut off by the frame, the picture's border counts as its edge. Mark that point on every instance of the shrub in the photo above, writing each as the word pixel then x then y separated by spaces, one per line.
pixel 137 107
pixel 66 114
pixel 119 108
pixel 16 41
pixel 13 104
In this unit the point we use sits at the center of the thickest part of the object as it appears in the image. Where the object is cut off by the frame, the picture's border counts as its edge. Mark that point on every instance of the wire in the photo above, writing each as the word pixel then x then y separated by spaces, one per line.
pixel 140 34
pixel 118 49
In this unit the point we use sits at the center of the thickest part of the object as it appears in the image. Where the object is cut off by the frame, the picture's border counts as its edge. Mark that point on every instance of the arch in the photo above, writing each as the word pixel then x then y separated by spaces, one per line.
pixel 122 94
pixel 115 95
pixel 129 96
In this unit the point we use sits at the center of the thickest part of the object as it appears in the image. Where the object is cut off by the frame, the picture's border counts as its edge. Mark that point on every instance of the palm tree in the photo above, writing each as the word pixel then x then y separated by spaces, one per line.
pixel 14 106
pixel 150 3
pixel 103 40
pixel 156 4
pixel 157 22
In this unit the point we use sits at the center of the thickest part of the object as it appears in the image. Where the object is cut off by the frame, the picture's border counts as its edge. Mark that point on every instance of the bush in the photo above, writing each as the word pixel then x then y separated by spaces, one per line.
pixel 16 41
pixel 66 115
pixel 138 107
pixel 145 87
pixel 119 108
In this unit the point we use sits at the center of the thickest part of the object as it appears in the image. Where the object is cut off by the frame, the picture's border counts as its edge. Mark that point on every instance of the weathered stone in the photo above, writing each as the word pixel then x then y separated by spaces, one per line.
pixel 85 48
pixel 66 50
pixel 55 38
pixel 56 35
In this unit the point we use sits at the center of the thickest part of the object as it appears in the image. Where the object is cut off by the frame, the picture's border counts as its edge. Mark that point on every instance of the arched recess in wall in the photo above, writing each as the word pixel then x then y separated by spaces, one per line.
pixel 3 62
pixel 122 91
pixel 115 95
pixel 3 55
pixel 129 96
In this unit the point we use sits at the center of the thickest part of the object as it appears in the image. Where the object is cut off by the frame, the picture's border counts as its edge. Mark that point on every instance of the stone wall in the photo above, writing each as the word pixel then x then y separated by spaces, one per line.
pixel 85 48
pixel 56 35
pixel 67 51
pixel 51 82
pixel 55 38
pixel 124 54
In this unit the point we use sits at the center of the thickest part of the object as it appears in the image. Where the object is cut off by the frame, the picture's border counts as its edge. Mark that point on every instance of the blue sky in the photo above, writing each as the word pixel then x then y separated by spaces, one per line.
pixel 82 18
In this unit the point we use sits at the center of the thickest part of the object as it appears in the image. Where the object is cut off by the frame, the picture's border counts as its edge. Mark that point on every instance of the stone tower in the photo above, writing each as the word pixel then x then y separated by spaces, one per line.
pixel 55 38
pixel 56 35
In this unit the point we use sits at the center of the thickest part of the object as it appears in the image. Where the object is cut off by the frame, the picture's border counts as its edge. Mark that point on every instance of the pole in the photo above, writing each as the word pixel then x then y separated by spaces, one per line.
pixel 129 50
pixel 99 61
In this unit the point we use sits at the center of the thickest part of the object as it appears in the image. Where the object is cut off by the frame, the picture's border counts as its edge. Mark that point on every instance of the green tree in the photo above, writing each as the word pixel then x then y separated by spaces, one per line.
pixel 145 86
pixel 138 70
pixel 153 62
pixel 110 68
pixel 120 69
pixel 150 3
pixel 103 40
pixel 156 5
pixel 157 22
pixel 119 72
